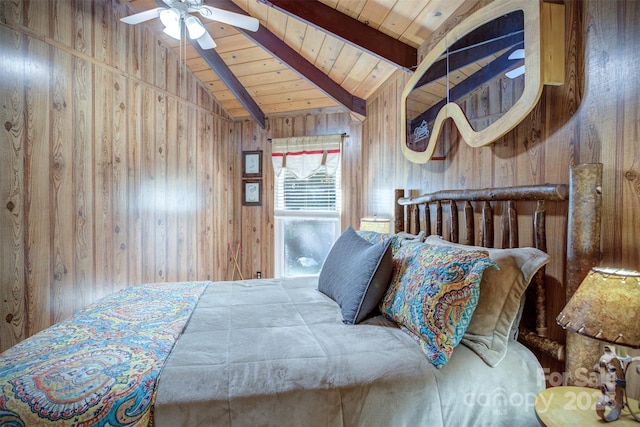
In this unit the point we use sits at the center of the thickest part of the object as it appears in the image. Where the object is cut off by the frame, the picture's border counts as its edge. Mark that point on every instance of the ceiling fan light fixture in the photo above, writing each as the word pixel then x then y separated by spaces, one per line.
pixel 170 18
pixel 173 32
pixel 194 27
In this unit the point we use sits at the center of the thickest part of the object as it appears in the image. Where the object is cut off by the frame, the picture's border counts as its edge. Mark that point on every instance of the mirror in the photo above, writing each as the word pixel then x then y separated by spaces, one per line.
pixel 486 75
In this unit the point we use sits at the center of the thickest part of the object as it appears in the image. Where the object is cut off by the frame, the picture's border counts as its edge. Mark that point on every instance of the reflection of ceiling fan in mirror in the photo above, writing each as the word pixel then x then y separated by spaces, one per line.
pixel 177 16
pixel 516 72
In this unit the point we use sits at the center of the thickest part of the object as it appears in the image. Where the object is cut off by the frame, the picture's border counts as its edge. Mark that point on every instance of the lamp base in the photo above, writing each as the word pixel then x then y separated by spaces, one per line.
pixel 613 383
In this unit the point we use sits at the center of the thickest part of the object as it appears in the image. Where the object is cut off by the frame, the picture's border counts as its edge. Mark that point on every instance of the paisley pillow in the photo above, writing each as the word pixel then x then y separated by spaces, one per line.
pixel 433 293
pixel 502 294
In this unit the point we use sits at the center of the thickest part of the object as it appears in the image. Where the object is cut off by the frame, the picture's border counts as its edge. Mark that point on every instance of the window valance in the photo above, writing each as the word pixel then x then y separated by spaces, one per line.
pixel 303 156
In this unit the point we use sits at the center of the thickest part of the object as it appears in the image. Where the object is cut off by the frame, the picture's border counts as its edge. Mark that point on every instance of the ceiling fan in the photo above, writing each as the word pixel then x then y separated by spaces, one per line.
pixel 178 15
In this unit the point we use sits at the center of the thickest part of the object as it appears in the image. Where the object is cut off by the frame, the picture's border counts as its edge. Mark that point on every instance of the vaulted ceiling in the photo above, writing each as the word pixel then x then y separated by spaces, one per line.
pixel 322 55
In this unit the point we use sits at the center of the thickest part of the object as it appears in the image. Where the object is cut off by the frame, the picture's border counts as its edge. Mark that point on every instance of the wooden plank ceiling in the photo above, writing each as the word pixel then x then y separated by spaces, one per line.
pixel 327 55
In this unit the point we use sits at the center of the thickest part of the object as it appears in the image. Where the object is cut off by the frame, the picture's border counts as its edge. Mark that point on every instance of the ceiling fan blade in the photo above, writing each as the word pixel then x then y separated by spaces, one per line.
pixel 205 41
pixel 517 54
pixel 516 72
pixel 237 20
pixel 147 15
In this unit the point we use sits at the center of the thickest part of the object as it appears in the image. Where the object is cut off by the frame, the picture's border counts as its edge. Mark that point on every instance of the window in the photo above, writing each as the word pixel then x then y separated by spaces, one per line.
pixel 307 221
pixel 307 208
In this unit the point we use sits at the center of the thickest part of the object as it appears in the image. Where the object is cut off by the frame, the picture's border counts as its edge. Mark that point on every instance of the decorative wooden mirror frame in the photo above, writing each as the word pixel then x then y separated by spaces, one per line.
pixel 544 53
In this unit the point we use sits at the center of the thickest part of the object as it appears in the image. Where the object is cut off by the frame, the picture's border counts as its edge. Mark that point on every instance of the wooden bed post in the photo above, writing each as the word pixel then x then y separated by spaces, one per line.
pixel 398 224
pixel 583 252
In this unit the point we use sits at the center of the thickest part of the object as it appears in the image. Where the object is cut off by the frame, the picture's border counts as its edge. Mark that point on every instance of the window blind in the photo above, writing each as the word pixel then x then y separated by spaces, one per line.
pixel 318 193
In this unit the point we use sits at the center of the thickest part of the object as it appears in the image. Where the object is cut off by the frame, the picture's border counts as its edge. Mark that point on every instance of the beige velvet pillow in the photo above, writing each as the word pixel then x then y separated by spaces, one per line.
pixel 500 294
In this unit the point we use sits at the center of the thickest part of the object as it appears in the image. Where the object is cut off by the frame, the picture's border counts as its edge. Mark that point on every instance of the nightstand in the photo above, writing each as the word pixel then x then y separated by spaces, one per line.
pixel 575 406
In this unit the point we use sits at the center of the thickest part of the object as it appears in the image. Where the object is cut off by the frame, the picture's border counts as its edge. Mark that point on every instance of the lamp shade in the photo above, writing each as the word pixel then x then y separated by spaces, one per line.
pixel 606 306
pixel 379 225
pixel 170 18
pixel 194 27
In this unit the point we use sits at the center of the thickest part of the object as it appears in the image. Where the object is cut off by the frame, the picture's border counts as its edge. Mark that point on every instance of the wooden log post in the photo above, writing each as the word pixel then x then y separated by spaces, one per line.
pixel 543 344
pixel 512 216
pixel 439 218
pixel 487 225
pixel 583 252
pixel 398 223
pixel 415 214
pixel 469 236
pixel 539 224
pixel 453 215
pixel 427 219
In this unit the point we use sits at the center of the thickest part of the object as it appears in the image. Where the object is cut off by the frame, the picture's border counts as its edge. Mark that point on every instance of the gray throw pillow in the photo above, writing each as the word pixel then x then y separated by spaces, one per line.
pixel 356 275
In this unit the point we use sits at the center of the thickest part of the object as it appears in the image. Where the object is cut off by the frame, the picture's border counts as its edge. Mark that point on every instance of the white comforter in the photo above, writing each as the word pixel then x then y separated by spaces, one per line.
pixel 275 352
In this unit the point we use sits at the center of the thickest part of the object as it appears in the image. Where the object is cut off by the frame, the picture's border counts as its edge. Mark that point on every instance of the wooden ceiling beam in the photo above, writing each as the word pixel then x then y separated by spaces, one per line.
pixel 218 65
pixel 350 30
pixel 278 48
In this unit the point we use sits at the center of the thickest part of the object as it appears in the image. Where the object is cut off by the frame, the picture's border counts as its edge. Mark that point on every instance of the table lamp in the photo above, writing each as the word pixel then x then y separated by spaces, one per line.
pixel 379 225
pixel 606 306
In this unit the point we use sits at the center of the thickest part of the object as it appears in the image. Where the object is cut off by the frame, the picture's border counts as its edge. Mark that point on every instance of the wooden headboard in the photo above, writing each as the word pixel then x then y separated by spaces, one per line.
pixel 470 219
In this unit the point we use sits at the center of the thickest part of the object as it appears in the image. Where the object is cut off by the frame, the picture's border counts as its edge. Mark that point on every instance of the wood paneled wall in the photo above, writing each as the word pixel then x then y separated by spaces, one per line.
pixel 115 163
pixel 593 117
pixel 257 228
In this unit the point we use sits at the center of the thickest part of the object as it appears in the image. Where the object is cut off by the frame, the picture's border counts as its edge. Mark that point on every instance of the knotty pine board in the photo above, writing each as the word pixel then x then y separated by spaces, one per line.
pixel 90 168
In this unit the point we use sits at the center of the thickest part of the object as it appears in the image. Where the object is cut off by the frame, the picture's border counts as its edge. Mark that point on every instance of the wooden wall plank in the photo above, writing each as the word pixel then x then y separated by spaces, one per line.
pixel 61 22
pixel 13 321
pixel 82 144
pixel 172 193
pixel 82 26
pixel 160 188
pixel 160 66
pixel 135 196
pixel 187 228
pixel 206 196
pixel 629 153
pixel 223 227
pixel 102 41
pixel 147 59
pixel 62 259
pixel 120 184
pixel 103 186
pixel 37 172
pixel 148 186
pixel 252 216
pixel 191 230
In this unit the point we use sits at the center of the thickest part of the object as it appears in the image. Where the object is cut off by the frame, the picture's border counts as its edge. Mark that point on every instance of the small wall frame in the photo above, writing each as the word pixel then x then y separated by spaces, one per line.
pixel 252 164
pixel 252 192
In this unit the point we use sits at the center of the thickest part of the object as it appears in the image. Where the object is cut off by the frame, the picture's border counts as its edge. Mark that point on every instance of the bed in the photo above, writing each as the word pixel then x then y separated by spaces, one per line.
pixel 384 350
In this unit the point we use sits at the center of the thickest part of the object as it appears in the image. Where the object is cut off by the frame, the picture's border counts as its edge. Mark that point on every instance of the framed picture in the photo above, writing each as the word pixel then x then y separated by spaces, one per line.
pixel 252 164
pixel 252 193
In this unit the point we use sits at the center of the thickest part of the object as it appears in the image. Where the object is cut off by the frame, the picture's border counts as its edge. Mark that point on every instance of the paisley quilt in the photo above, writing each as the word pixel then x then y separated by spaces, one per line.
pixel 99 367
